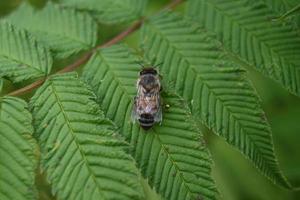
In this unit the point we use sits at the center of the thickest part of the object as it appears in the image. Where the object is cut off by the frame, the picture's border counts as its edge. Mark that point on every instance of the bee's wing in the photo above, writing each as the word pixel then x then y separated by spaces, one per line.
pixel 158 115
pixel 134 115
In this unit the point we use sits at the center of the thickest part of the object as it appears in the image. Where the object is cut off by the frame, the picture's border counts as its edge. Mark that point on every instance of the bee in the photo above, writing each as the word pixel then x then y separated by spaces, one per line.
pixel 147 103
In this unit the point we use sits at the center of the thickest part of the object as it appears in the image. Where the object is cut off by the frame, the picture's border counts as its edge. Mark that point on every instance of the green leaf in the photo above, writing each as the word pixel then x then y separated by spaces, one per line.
pixel 82 154
pixel 1 84
pixel 284 3
pixel 150 193
pixel 172 156
pixel 250 34
pixel 21 56
pixel 284 7
pixel 280 6
pixel 18 151
pixel 64 31
pixel 110 11
pixel 216 89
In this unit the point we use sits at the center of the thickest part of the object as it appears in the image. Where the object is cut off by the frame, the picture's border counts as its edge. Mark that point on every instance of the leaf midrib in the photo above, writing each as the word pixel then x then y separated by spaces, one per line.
pixel 173 162
pixel 27 157
pixel 59 37
pixel 115 77
pixel 156 134
pixel 216 96
pixel 74 138
pixel 253 34
pixel 125 6
pixel 40 29
pixel 101 12
pixel 52 32
pixel 38 70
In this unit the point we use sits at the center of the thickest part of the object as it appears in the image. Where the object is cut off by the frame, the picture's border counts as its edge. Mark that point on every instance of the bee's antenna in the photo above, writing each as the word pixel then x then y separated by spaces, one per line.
pixel 141 64
pixel 158 65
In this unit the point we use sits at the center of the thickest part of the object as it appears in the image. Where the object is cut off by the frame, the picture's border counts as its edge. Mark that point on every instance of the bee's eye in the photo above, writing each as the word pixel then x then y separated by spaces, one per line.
pixel 148 71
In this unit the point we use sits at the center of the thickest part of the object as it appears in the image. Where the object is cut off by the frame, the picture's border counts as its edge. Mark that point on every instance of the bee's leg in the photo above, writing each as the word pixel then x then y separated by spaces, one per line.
pixel 161 101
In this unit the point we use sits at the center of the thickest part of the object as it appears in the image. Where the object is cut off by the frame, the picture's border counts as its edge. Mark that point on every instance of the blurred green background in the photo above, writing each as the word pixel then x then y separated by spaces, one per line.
pixel 236 178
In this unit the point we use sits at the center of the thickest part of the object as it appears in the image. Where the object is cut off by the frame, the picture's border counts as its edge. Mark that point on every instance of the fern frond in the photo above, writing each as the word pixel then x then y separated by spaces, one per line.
pixel 21 56
pixel 172 155
pixel 81 152
pixel 64 31
pixel 249 32
pixel 216 89
pixel 18 151
pixel 110 11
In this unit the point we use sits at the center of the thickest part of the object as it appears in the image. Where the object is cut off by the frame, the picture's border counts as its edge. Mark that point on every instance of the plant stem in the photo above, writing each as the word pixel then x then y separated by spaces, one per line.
pixel 83 59
pixel 113 41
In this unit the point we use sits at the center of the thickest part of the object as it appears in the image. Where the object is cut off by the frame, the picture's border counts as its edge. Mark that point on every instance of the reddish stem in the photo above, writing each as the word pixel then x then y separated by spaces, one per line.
pixel 27 88
pixel 82 60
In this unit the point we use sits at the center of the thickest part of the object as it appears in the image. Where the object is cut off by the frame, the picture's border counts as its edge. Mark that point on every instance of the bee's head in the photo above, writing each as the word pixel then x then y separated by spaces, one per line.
pixel 148 70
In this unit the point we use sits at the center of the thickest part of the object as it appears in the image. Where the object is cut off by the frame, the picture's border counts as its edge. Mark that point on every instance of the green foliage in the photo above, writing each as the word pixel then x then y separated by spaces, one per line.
pixel 217 89
pixel 110 12
pixel 250 35
pixel 89 147
pixel 80 149
pixel 64 31
pixel 282 7
pixel 18 151
pixel 21 56
pixel 171 155
pixel 1 84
